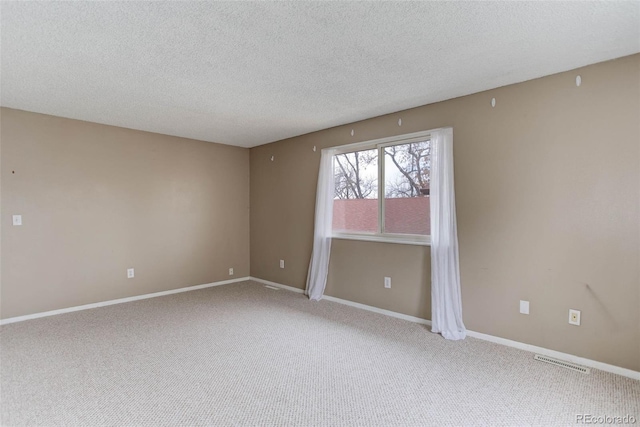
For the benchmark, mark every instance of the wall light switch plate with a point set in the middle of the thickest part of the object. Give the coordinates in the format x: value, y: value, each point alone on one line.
x: 387, y: 282
x: 130, y: 273
x: 281, y: 263
x: 574, y: 317
x: 524, y: 307
x: 231, y: 272
x: 17, y: 220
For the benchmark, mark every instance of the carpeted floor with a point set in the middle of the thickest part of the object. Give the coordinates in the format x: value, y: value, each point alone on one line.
x: 243, y: 354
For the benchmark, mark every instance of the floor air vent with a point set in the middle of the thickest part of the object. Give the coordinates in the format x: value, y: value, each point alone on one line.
x: 272, y: 287
x: 562, y: 363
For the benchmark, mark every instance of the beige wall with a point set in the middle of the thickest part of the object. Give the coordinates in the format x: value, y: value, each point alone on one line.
x: 98, y: 199
x: 548, y: 200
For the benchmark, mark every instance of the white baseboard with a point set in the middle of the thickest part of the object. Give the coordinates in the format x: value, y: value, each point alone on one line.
x: 558, y: 355
x: 277, y: 285
x: 378, y: 310
x: 347, y: 302
x: 503, y: 341
x: 117, y: 301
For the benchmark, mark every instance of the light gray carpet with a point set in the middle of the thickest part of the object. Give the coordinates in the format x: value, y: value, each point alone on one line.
x: 243, y: 354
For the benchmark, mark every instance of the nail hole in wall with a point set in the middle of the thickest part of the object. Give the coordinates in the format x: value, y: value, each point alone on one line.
x: 578, y: 80
x: 493, y: 102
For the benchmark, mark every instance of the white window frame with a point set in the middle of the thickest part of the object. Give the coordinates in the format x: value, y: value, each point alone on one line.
x: 380, y: 145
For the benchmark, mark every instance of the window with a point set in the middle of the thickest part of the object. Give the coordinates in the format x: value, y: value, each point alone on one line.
x: 355, y: 205
x: 382, y: 190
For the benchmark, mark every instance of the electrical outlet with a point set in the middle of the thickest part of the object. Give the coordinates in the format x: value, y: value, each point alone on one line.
x: 130, y: 273
x: 281, y: 263
x: 574, y: 317
x: 524, y: 307
x: 387, y: 282
x: 17, y: 220
x: 231, y: 272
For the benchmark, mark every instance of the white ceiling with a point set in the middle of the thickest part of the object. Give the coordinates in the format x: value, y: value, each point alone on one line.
x: 250, y: 73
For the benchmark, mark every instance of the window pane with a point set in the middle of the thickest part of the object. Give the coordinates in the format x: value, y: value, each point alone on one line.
x: 355, y: 207
x: 406, y: 188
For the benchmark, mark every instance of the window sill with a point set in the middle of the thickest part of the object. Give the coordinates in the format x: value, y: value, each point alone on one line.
x: 402, y: 240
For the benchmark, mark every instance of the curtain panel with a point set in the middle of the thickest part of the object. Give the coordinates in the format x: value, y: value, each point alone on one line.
x: 446, y: 301
x: 319, y: 265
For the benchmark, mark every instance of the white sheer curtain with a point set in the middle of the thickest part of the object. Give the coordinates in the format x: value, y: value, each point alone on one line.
x: 446, y: 302
x: 319, y: 265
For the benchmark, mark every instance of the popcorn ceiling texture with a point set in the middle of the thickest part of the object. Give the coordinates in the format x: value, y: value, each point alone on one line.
x: 250, y: 73
x: 244, y: 355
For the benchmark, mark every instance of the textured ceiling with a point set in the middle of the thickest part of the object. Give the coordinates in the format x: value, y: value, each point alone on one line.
x: 250, y: 73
